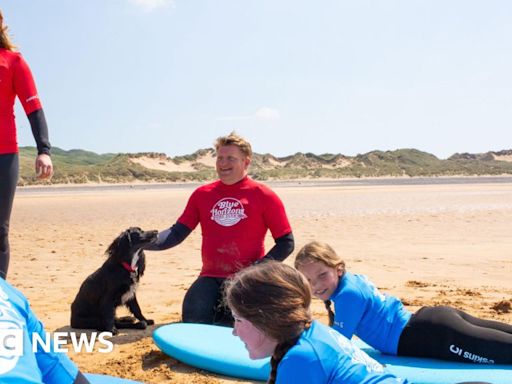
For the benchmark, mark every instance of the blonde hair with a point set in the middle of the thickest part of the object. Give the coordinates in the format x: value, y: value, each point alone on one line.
x: 316, y: 251
x: 5, y: 41
x: 276, y: 299
x: 234, y: 139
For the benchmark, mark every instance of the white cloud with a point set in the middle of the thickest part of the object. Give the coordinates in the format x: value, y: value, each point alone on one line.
x: 263, y: 113
x: 151, y: 5
x: 266, y: 113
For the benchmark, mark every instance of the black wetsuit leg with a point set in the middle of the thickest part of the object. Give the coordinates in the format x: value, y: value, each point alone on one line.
x: 498, y: 325
x: 450, y: 334
x: 9, y: 170
x: 203, y: 303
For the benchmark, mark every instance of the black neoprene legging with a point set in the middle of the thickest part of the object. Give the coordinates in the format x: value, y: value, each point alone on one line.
x: 203, y: 303
x: 9, y: 170
x: 450, y: 334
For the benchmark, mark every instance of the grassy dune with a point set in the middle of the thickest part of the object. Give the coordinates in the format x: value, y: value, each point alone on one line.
x: 78, y: 166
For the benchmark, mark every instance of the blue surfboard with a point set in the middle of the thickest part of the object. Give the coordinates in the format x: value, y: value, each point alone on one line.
x: 212, y: 348
x: 105, y: 379
x: 215, y: 349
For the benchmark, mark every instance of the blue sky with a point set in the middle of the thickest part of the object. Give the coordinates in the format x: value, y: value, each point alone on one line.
x: 311, y: 76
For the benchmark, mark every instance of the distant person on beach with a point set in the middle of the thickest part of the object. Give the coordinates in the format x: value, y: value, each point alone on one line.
x: 235, y: 213
x: 18, y: 362
x: 271, y: 306
x: 383, y: 322
x: 16, y: 80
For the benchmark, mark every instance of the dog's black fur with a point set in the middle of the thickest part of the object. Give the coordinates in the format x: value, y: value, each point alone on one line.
x: 114, y: 284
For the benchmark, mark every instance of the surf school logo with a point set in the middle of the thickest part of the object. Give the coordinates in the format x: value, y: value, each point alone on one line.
x: 470, y: 356
x: 357, y: 355
x: 228, y: 211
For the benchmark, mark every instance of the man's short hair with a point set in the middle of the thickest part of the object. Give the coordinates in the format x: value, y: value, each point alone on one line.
x: 234, y: 139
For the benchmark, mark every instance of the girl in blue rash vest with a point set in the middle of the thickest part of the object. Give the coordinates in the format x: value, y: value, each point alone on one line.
x: 382, y: 321
x: 19, y: 362
x: 271, y: 306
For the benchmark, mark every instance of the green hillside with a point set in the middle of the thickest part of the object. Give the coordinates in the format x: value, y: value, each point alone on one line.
x: 80, y: 166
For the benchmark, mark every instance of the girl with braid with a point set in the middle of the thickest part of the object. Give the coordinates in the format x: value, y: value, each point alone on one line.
x: 383, y: 322
x: 270, y: 303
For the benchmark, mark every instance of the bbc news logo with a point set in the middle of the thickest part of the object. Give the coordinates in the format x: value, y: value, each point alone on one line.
x: 11, y: 342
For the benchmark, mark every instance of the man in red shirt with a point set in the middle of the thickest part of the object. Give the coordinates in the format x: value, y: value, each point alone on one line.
x: 235, y: 213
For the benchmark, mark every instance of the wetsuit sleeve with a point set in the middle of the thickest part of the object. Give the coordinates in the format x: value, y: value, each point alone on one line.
x: 170, y: 237
x: 349, y: 308
x: 25, y: 88
x: 281, y: 250
x: 56, y: 368
x: 40, y: 131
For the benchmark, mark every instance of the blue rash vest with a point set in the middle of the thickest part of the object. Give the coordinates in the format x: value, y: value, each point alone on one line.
x: 18, y: 364
x: 324, y: 356
x: 360, y: 309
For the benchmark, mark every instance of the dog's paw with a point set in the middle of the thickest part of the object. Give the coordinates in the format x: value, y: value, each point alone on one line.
x: 150, y: 322
x: 140, y: 325
x: 114, y: 331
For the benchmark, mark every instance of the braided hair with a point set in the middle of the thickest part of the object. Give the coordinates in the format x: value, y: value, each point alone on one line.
x: 330, y: 312
x: 317, y: 251
x: 261, y: 292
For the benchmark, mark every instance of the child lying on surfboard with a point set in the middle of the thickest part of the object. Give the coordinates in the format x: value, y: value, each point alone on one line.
x: 382, y: 321
x: 270, y: 303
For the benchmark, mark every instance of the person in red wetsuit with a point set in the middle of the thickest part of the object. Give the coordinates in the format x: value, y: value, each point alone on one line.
x: 235, y: 213
x: 16, y: 80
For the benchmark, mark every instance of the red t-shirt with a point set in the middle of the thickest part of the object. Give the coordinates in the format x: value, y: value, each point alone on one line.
x: 234, y: 220
x: 15, y: 80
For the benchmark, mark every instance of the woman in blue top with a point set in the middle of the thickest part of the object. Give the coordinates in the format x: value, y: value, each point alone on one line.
x: 382, y: 321
x: 270, y: 303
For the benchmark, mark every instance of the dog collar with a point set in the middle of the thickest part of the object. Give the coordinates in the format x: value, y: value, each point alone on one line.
x: 128, y: 267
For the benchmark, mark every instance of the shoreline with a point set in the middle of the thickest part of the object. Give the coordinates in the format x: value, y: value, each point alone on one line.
x: 368, y: 181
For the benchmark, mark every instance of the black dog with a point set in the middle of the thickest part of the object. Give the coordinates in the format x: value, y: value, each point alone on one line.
x: 114, y: 284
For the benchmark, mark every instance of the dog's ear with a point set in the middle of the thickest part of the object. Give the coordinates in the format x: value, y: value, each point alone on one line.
x: 129, y: 236
x: 117, y: 244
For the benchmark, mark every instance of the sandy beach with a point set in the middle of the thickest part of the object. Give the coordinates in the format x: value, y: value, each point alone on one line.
x: 427, y: 244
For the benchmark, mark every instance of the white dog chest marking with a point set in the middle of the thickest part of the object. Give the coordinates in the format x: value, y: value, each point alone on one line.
x: 129, y: 294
